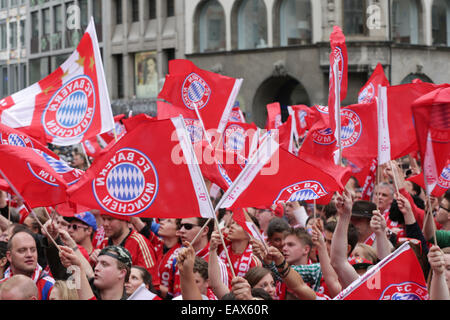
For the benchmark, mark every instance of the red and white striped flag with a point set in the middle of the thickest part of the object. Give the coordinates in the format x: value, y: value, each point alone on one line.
x: 68, y: 106
x: 396, y: 277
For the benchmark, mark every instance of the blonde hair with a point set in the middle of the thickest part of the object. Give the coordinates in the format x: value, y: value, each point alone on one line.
x: 64, y: 292
x: 369, y: 252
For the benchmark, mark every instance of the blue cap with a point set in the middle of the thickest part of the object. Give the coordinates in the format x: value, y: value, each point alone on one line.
x: 88, y: 218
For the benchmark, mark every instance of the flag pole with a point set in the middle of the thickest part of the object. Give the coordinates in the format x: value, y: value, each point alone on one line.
x: 394, y: 176
x: 27, y: 207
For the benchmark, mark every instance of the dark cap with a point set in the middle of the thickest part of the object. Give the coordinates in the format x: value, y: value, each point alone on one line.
x: 119, y: 253
x: 363, y: 209
x: 360, y: 263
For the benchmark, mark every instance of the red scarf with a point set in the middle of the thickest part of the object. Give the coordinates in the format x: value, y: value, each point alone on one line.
x: 241, y: 262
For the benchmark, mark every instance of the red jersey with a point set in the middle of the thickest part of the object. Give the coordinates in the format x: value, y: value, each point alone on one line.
x: 42, y: 279
x: 241, y: 262
x: 142, y: 253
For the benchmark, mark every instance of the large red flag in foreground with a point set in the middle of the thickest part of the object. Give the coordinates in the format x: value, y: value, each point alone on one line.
x: 151, y: 172
x: 69, y: 105
x: 31, y: 175
x: 396, y: 277
x: 432, y: 122
x: 188, y: 87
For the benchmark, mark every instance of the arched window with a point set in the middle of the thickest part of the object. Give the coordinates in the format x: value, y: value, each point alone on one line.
x: 252, y: 24
x: 295, y: 22
x: 405, y: 21
x: 440, y: 21
x: 211, y: 27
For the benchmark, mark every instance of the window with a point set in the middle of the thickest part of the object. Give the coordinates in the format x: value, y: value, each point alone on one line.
x: 405, y: 21
x: 98, y: 19
x: 13, y: 34
x: 3, y: 3
x: 22, y: 33
x: 84, y: 14
x: 3, y: 36
x: 57, y: 19
x: 152, y: 9
x: 252, y: 25
x: 354, y: 17
x: 4, y: 79
x: 211, y: 27
x: 34, y: 32
x: 170, y: 8
x: 120, y: 78
x: 46, y: 30
x: 295, y: 22
x: 118, y: 11
x: 440, y: 20
x: 134, y: 10
x: 23, y: 76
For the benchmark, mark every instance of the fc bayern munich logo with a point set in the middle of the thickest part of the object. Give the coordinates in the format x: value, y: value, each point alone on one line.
x: 304, y: 190
x: 323, y: 137
x: 128, y: 184
x: 404, y: 291
x: 340, y: 59
x: 322, y: 109
x: 367, y: 94
x: 195, y: 92
x: 70, y: 111
x: 350, y: 128
x: 444, y: 178
x: 234, y: 138
x: 195, y: 130
x: 16, y: 140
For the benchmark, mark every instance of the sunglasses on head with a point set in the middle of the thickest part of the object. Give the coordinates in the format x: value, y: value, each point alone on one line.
x: 76, y: 226
x: 188, y: 226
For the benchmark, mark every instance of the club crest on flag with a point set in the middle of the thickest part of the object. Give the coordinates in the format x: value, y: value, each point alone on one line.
x: 195, y: 130
x: 128, y: 184
x: 304, y: 190
x: 302, y: 116
x: 322, y: 109
x: 339, y: 57
x: 16, y: 140
x: 367, y: 94
x: 351, y: 127
x: 69, y: 174
x: 444, y: 178
x: 234, y: 138
x: 405, y: 291
x: 42, y: 175
x: 324, y: 136
x: 195, y: 92
x: 70, y: 111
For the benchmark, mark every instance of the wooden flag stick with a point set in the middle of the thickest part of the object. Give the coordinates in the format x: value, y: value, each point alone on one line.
x: 429, y: 219
x: 394, y: 176
x: 225, y: 247
x: 200, y: 231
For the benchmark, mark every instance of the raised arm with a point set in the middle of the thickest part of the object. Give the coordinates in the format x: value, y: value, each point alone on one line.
x: 293, y: 279
x: 185, y: 264
x: 329, y: 275
x: 378, y: 226
x: 339, y: 243
x: 214, y: 273
x: 438, y: 287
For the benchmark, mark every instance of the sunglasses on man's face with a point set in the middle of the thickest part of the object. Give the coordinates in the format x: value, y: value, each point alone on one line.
x: 76, y: 226
x: 187, y: 226
x: 442, y: 207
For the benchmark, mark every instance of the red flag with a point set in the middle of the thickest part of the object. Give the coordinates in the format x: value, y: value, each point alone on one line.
x: 69, y: 105
x: 189, y: 87
x: 241, y: 217
x: 27, y: 171
x: 396, y: 277
x: 236, y: 114
x: 442, y: 184
x: 92, y: 147
x: 118, y: 131
x: 369, y: 91
x: 295, y: 180
x: 15, y: 137
x: 338, y: 76
x: 432, y: 122
x: 305, y: 117
x: 273, y: 116
x: 150, y: 172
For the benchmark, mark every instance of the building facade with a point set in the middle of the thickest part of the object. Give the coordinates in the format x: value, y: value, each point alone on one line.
x: 279, y: 47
